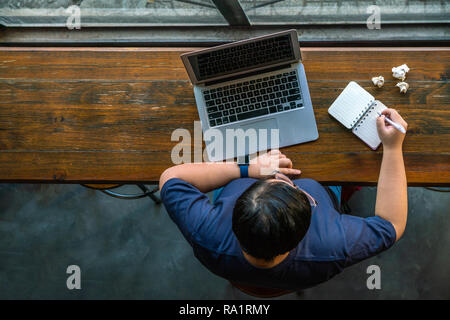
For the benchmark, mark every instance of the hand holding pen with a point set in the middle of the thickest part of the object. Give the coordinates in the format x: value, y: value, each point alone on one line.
x: 391, y: 128
x: 397, y: 126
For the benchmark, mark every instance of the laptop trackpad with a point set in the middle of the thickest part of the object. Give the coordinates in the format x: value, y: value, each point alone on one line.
x: 266, y: 132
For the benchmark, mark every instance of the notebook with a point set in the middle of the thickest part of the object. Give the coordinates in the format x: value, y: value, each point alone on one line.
x: 357, y: 109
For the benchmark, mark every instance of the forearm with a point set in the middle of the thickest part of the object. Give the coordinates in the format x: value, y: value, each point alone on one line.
x: 392, y: 202
x: 204, y: 176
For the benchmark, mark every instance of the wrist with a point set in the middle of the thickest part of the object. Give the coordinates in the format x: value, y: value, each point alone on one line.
x: 392, y: 153
x: 253, y: 171
x: 392, y: 148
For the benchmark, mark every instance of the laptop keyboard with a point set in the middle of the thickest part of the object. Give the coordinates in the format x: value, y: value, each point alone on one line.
x: 253, y: 98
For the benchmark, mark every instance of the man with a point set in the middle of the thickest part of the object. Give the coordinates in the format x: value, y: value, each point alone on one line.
x: 272, y: 232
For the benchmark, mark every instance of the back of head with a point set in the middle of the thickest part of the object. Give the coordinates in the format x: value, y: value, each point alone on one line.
x: 271, y: 218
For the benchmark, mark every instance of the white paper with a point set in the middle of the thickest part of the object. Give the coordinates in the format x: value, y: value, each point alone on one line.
x: 351, y: 104
x: 366, y: 128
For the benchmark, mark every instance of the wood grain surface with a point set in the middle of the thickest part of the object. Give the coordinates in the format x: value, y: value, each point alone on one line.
x: 106, y: 115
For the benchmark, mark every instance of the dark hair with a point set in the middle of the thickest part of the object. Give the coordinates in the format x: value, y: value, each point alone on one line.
x: 271, y: 218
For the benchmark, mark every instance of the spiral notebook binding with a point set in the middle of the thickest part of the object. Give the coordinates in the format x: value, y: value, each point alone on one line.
x: 370, y: 107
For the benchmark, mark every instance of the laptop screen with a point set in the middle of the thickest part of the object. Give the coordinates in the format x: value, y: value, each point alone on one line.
x: 247, y: 56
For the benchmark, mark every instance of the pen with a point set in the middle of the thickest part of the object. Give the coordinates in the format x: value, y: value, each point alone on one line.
x: 397, y: 126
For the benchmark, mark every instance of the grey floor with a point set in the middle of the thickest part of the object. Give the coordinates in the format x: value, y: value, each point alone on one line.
x: 132, y: 250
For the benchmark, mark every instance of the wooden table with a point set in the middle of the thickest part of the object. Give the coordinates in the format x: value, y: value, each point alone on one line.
x: 106, y: 115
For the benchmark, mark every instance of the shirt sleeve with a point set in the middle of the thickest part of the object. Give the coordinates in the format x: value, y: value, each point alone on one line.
x: 187, y: 206
x: 366, y: 237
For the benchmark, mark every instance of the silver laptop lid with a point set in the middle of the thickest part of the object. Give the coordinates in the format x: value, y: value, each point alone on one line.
x: 242, y: 56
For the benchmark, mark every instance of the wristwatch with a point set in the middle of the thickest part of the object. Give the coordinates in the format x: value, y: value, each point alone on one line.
x: 243, y: 163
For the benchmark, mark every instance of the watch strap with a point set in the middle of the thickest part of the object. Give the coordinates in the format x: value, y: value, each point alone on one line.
x: 244, y: 170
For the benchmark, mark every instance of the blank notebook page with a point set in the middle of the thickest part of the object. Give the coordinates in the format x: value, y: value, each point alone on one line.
x: 351, y: 104
x: 366, y: 128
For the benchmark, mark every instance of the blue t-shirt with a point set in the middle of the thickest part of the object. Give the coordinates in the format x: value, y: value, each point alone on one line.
x: 333, y: 241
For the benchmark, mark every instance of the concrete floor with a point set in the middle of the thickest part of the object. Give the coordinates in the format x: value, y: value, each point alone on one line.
x: 132, y: 250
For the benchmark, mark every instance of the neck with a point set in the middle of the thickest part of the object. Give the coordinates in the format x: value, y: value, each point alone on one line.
x: 261, y: 263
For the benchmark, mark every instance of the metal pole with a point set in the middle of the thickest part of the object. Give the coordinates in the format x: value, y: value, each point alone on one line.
x: 232, y: 12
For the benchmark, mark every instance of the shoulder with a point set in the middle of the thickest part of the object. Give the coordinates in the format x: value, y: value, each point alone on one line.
x: 202, y: 222
x: 310, y: 185
x: 172, y: 184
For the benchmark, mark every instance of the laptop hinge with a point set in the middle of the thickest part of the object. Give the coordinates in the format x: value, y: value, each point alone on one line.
x: 248, y: 74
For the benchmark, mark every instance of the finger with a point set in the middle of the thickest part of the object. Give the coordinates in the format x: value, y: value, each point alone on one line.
x: 285, y: 163
x: 290, y: 171
x: 387, y: 112
x: 276, y: 158
x: 274, y: 151
x: 399, y: 119
x: 394, y: 116
x: 391, y: 114
x: 381, y: 121
x: 272, y: 161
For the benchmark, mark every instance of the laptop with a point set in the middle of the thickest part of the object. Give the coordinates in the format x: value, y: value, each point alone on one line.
x: 256, y: 85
